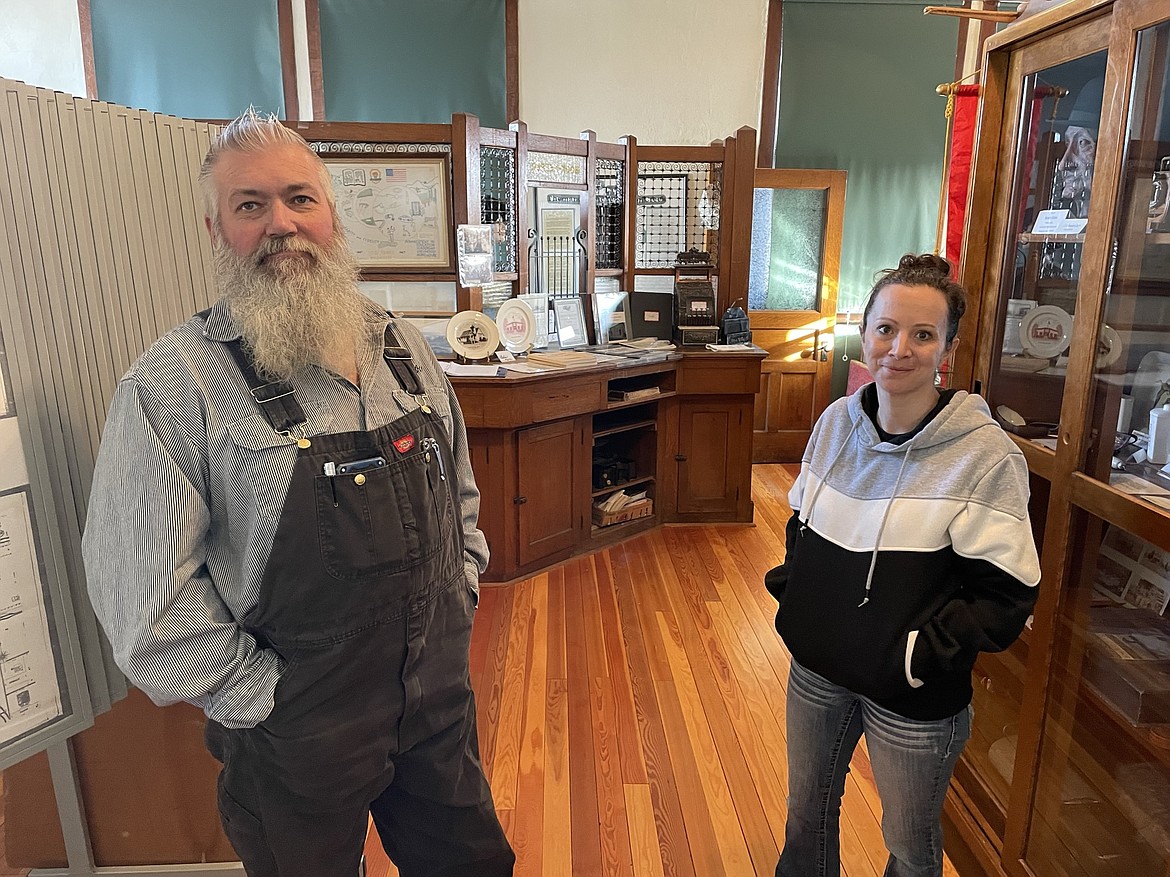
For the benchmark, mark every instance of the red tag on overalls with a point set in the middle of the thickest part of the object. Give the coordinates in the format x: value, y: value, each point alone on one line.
x: 404, y: 444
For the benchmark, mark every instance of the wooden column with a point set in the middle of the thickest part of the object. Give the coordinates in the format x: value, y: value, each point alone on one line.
x: 522, y: 222
x: 631, y: 217
x: 741, y: 218
x: 589, y: 215
x: 465, y: 193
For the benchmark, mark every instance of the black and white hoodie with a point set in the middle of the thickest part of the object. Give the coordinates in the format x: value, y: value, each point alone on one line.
x: 906, y: 557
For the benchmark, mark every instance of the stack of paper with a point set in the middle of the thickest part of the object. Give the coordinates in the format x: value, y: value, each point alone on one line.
x: 562, y: 359
x: 620, y: 500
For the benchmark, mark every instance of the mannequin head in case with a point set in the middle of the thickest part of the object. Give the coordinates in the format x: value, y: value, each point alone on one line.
x: 1075, y: 169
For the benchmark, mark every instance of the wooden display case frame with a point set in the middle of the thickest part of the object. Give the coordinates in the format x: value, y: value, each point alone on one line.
x: 980, y: 838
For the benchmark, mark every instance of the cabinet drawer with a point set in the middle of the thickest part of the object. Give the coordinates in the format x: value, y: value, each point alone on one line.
x: 709, y: 376
x: 552, y: 401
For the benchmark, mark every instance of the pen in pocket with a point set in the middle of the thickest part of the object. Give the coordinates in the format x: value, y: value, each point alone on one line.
x: 331, y: 471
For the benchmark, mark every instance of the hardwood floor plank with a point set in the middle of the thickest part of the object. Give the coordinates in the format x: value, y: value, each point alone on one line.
x: 556, y: 624
x: 490, y: 691
x: 616, y: 855
x: 648, y: 599
x: 631, y: 758
x: 586, y: 846
x: 478, y: 654
x: 664, y: 792
x: 696, y: 812
x: 596, y: 574
x: 557, y: 851
x: 505, y: 765
x: 643, y: 838
x: 528, y: 817
x: 740, y: 822
x: 762, y: 737
x: 721, y: 806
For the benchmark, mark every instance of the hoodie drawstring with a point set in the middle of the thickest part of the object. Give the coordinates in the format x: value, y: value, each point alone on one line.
x: 824, y: 478
x: 882, y: 526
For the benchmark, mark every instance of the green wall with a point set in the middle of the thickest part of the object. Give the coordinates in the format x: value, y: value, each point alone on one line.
x: 412, y: 61
x: 382, y: 60
x: 207, y: 59
x: 857, y: 84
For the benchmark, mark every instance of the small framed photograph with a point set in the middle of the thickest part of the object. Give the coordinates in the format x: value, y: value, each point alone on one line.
x: 570, y: 323
x: 395, y: 209
x: 474, y: 244
x: 609, y: 312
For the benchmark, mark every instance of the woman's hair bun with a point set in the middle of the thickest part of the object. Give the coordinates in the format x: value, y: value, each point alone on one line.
x: 927, y: 263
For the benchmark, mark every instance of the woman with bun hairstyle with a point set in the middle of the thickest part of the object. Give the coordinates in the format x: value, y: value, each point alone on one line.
x: 909, y: 551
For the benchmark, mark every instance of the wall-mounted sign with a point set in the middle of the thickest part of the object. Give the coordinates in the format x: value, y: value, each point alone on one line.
x: 651, y: 199
x: 559, y: 198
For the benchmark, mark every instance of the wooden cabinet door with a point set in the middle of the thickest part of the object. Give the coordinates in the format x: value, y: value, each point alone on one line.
x: 714, y: 449
x: 553, y: 481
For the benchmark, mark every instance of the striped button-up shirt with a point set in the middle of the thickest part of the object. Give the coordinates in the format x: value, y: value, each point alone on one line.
x: 187, y: 491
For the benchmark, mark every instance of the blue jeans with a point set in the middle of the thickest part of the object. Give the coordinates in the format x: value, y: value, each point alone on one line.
x: 912, y: 764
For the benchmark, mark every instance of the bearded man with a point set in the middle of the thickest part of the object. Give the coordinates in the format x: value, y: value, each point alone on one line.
x: 282, y: 531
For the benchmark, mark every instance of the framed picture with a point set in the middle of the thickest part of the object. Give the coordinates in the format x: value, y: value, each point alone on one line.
x: 570, y: 323
x: 609, y: 311
x: 31, y: 695
x: 475, y: 254
x: 395, y: 209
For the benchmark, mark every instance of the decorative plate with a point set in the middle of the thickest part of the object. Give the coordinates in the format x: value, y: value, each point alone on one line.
x: 1108, y: 347
x: 517, y: 325
x: 473, y: 335
x: 1046, y: 331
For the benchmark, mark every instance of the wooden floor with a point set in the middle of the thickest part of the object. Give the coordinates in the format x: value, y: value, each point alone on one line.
x: 631, y: 709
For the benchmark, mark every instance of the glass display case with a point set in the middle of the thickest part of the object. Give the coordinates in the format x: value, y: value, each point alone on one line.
x: 1068, y: 253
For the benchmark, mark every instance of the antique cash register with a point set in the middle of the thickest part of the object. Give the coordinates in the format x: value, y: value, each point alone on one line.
x: 694, y: 295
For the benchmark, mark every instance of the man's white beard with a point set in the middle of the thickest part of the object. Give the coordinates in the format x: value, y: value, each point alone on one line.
x: 294, y: 312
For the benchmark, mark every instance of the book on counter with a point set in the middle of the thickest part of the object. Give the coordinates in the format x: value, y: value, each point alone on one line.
x: 633, y: 395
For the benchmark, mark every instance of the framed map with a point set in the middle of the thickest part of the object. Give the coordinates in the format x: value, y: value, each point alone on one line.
x: 30, y: 687
x: 394, y: 209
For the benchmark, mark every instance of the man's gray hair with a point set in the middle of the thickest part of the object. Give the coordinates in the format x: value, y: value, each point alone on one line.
x: 251, y: 132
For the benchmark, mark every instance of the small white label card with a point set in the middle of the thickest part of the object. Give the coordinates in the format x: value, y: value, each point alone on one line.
x: 1050, y: 222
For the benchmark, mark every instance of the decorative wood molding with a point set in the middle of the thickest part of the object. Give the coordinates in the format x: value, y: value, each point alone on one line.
x: 770, y: 99
x: 512, y: 60
x: 1002, y: 15
x: 316, y: 79
x: 288, y: 60
x: 86, y: 22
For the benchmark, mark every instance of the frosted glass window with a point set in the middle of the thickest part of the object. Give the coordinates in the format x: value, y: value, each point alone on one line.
x: 788, y: 245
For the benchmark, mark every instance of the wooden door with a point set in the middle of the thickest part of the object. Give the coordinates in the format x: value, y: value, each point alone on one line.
x: 552, y: 471
x: 712, y: 457
x: 797, y: 216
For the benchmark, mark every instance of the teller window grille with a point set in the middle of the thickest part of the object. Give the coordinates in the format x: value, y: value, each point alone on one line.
x: 677, y: 209
x: 610, y: 200
x: 497, y: 173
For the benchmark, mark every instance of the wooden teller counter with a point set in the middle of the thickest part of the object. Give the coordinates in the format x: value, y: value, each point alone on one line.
x: 551, y: 450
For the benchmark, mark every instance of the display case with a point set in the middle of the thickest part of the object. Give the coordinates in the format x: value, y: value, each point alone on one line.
x: 1068, y: 250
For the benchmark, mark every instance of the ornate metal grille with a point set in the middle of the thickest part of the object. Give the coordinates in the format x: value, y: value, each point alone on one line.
x: 556, y: 264
x: 677, y: 208
x: 497, y: 182
x: 329, y: 147
x: 611, y: 177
